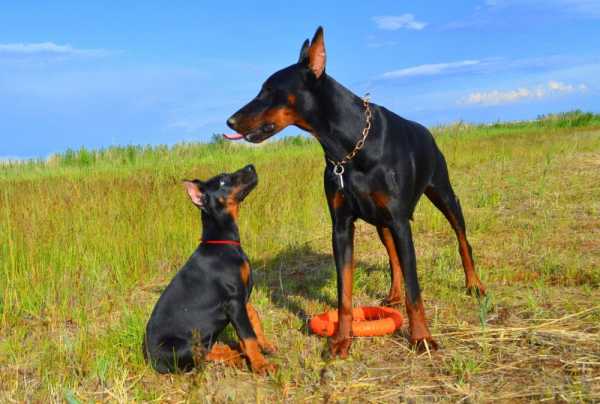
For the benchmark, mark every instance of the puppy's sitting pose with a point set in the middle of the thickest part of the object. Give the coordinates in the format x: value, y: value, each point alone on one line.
x: 211, y: 290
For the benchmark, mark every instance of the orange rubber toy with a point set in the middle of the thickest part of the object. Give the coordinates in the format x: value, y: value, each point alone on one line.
x: 367, y: 322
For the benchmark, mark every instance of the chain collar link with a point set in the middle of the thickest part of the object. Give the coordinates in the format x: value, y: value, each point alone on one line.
x: 338, y: 166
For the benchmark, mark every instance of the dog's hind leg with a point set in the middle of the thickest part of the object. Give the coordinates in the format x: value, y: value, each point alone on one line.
x: 171, y: 354
x: 441, y: 194
x: 420, y: 336
x: 226, y: 354
x: 395, y: 295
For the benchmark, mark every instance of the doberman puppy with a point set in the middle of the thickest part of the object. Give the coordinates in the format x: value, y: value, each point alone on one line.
x: 380, y: 182
x: 211, y: 290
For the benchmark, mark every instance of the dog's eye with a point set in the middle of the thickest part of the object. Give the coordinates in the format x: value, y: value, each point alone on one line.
x: 222, y: 183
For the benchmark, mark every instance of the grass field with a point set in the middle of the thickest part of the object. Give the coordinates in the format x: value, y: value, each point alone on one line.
x: 89, y: 240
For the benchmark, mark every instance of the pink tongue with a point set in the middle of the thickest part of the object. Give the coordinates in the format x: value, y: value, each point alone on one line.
x: 232, y: 136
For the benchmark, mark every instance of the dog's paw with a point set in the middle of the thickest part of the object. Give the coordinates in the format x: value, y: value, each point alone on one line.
x: 268, y: 347
x: 424, y: 344
x: 476, y: 289
x: 339, y: 347
x: 263, y: 368
x: 226, y: 355
x: 392, y: 301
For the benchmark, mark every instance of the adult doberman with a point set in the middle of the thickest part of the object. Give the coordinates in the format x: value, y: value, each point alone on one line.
x: 377, y: 167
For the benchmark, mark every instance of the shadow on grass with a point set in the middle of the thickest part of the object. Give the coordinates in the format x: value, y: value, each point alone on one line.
x: 299, y: 273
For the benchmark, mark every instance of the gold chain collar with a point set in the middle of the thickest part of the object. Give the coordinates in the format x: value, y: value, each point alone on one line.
x: 338, y: 166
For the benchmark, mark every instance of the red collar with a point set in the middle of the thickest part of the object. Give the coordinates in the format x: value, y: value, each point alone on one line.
x: 230, y: 242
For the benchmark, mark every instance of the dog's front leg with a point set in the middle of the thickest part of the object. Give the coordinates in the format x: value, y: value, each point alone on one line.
x: 343, y: 246
x: 238, y: 315
x: 263, y: 342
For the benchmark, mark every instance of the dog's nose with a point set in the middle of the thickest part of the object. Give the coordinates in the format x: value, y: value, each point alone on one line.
x: 250, y: 167
x: 231, y: 122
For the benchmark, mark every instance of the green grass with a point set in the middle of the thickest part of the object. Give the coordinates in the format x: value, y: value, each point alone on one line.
x: 88, y: 239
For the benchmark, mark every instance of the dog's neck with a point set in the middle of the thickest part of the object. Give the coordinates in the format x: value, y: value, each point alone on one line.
x: 338, y: 119
x: 224, y: 228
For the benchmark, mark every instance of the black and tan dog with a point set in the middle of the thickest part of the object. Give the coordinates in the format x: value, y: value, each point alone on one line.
x: 377, y: 167
x: 211, y: 290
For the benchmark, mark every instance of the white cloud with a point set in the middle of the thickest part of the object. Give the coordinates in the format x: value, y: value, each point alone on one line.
x: 396, y: 22
x: 496, y: 97
x: 560, y: 87
x: 499, y: 97
x: 382, y: 44
x: 583, y: 8
x: 28, y: 48
x: 433, y: 69
x: 46, y: 48
x: 492, y: 65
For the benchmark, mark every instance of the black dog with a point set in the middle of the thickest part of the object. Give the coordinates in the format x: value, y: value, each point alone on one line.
x: 377, y: 167
x: 212, y: 288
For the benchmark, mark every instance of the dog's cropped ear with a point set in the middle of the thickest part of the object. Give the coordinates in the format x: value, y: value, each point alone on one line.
x: 303, y: 59
x: 316, y: 53
x: 194, y: 191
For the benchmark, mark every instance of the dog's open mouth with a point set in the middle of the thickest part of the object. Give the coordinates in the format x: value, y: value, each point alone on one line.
x: 255, y: 136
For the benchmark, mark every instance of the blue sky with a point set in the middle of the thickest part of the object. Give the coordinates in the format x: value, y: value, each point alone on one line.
x: 75, y: 73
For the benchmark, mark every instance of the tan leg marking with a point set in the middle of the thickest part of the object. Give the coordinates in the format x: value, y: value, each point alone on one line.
x: 418, y: 325
x: 258, y: 363
x: 224, y: 353
x: 395, y: 295
x: 263, y: 343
